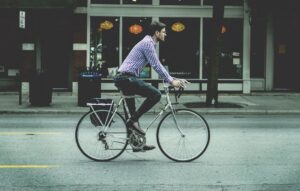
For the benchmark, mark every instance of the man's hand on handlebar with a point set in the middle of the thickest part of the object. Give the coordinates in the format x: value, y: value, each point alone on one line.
x: 179, y: 83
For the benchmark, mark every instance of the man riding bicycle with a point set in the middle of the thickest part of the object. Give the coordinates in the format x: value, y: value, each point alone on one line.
x: 128, y: 82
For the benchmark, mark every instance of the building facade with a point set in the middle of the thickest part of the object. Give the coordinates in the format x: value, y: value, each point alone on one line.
x: 258, y: 54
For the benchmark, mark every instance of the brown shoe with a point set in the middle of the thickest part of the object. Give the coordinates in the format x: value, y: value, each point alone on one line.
x: 135, y: 126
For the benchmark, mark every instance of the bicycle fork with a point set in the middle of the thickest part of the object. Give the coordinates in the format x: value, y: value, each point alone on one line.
x: 169, y: 105
x: 176, y: 123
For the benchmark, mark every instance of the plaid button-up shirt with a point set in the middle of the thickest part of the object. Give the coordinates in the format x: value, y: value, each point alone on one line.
x: 141, y: 54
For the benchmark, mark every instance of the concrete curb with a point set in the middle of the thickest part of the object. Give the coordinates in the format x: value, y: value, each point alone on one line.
x: 151, y: 112
x: 251, y: 105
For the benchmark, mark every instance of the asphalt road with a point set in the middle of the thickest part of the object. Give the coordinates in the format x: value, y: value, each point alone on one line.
x: 38, y: 152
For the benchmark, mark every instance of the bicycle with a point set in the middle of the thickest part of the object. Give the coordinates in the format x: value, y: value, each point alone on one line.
x: 101, y: 134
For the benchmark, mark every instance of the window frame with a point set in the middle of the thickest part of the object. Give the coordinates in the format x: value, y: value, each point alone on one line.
x: 155, y: 11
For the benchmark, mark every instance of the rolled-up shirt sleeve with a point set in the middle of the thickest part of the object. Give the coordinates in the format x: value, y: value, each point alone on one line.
x: 152, y: 58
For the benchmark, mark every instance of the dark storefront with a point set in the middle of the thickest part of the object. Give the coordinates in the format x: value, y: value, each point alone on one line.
x: 52, y: 29
x: 62, y: 37
x: 9, y: 49
x: 287, y: 40
x: 44, y: 43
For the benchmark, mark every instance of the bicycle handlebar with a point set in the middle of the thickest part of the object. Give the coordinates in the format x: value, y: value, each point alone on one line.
x: 177, y: 93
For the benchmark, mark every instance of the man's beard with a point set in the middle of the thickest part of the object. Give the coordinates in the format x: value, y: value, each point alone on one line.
x: 159, y: 40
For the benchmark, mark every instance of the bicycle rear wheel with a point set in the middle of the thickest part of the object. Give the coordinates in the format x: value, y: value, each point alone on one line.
x: 101, y: 136
x: 185, y: 141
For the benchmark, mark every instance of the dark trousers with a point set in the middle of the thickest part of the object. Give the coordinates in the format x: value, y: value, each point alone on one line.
x: 131, y: 85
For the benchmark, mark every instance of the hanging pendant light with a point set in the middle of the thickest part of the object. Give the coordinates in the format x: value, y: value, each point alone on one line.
x: 178, y: 27
x: 223, y: 29
x: 135, y: 29
x: 106, y: 25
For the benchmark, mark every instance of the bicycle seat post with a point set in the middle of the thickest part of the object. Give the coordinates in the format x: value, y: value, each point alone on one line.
x: 125, y: 107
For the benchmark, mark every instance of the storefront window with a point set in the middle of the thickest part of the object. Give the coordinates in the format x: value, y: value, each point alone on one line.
x: 105, y: 1
x: 180, y: 52
x: 134, y: 30
x: 104, y: 47
x: 231, y: 54
x: 9, y: 50
x: 136, y: 2
x: 227, y: 2
x: 258, y: 46
x: 180, y: 2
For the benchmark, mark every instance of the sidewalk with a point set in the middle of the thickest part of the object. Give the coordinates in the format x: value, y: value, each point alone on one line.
x: 256, y: 103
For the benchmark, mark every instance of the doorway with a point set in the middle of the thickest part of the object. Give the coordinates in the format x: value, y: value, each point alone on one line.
x: 55, y: 43
x: 287, y: 60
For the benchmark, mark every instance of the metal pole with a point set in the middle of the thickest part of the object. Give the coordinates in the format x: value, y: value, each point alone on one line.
x: 20, y: 88
x: 21, y: 27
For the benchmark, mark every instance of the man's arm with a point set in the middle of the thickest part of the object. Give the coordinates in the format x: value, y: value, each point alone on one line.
x: 152, y: 58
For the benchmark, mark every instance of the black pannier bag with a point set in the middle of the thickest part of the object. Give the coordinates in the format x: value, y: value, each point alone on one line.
x: 100, y: 104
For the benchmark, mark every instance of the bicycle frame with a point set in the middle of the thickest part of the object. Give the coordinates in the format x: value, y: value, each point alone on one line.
x: 168, y: 105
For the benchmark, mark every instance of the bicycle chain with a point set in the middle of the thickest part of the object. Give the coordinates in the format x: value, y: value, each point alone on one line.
x: 136, y: 140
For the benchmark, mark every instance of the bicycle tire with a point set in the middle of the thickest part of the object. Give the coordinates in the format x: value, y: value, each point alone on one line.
x: 174, y: 145
x: 96, y: 144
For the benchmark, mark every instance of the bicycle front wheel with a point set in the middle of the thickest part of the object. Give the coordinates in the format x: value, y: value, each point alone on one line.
x: 183, y: 137
x: 101, y: 136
